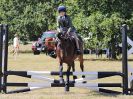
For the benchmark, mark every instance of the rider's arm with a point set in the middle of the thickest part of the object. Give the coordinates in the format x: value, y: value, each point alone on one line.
x: 69, y: 25
x: 58, y: 25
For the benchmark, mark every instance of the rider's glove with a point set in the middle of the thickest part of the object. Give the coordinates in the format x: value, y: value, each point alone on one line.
x: 59, y: 30
x: 68, y: 31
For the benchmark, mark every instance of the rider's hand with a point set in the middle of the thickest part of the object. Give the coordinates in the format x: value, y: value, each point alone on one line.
x: 59, y: 30
x: 68, y: 31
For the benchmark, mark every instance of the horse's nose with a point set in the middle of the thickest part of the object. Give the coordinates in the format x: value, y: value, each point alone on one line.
x: 65, y: 39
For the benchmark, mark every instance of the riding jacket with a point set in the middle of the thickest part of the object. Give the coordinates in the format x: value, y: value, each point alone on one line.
x: 64, y: 23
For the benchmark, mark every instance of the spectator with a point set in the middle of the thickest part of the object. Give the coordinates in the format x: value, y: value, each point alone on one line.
x: 16, y: 45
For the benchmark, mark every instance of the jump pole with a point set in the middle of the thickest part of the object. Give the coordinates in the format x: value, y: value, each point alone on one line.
x: 124, y: 59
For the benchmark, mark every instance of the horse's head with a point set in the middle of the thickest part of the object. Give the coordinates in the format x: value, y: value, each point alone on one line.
x: 64, y: 39
x: 63, y: 36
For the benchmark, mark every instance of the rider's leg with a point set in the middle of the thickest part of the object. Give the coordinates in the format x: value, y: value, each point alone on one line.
x: 77, y: 43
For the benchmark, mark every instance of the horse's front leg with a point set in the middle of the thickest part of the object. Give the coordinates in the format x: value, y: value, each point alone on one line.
x: 61, y: 72
x: 68, y: 77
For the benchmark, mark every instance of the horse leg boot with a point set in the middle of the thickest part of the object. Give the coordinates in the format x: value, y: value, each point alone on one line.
x: 61, y: 73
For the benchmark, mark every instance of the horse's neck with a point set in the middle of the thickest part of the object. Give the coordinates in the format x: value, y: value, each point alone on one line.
x: 69, y: 50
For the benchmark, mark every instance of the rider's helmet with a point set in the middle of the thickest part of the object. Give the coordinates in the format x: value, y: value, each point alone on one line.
x: 61, y: 9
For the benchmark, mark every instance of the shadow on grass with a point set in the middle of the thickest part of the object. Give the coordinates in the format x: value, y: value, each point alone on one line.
x: 23, y: 52
x: 85, y: 59
x: 100, y: 59
x: 101, y: 94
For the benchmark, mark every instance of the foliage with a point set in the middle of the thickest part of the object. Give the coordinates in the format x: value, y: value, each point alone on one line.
x: 100, y: 18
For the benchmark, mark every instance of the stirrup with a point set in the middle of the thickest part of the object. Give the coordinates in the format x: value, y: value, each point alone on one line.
x: 78, y: 52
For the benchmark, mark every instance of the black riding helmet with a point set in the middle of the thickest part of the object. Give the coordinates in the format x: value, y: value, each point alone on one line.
x: 61, y: 9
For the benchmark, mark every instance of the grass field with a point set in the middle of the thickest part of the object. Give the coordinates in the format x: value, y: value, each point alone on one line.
x: 28, y: 61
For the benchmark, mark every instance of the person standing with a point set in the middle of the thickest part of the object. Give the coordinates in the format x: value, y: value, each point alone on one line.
x: 16, y: 45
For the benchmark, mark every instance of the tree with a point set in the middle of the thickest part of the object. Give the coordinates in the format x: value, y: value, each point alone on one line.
x: 101, y: 18
x: 27, y: 17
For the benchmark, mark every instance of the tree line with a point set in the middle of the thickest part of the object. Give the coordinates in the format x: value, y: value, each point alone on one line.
x: 100, y: 20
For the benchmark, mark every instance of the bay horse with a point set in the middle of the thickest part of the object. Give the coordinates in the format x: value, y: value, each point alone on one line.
x: 66, y: 53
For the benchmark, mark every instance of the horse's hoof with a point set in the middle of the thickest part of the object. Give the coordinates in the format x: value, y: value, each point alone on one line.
x: 66, y: 89
x: 74, y: 77
x: 61, y: 80
x: 83, y: 76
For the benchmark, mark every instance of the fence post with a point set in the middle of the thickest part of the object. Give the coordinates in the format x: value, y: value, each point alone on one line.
x: 124, y: 59
x: 5, y: 57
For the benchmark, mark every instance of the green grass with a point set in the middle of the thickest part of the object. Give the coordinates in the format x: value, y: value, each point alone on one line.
x: 42, y: 62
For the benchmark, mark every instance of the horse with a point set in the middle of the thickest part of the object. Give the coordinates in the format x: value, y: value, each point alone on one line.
x: 118, y: 51
x: 66, y: 53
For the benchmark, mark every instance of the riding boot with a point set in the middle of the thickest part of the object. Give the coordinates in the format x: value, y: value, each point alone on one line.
x: 78, y: 52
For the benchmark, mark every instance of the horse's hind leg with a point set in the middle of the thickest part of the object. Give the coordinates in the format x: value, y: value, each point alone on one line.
x: 81, y: 64
x: 61, y: 72
x: 73, y: 69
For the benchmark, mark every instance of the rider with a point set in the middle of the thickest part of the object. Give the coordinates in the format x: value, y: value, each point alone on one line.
x: 64, y: 24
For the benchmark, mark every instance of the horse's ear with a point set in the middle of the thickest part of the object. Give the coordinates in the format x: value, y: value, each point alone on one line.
x: 59, y: 35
